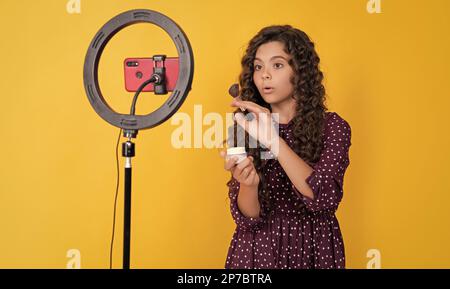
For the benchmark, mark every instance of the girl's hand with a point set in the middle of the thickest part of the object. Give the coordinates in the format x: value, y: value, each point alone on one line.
x: 262, y: 127
x: 244, y: 172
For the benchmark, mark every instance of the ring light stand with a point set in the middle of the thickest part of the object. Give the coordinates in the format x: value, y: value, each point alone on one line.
x: 131, y: 123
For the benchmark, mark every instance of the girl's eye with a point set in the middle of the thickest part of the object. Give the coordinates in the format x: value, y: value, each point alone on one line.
x: 257, y: 67
x: 278, y: 65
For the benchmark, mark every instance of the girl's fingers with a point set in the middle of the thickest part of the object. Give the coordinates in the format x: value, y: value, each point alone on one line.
x: 252, y: 177
x: 251, y: 106
x: 238, y: 172
x: 246, y: 162
x: 230, y: 163
x: 245, y: 173
x: 244, y: 168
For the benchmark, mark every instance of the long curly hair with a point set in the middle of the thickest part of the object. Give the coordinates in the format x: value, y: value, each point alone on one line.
x: 309, y: 95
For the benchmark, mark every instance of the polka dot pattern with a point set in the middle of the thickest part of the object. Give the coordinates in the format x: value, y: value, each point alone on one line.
x: 289, y: 237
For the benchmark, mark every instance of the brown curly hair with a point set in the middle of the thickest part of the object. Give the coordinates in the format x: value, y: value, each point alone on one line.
x: 309, y: 94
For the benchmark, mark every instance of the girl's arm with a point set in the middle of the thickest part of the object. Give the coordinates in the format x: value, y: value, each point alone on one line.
x: 243, y: 193
x: 242, y: 221
x: 321, y: 187
x: 296, y: 169
x: 247, y: 197
x: 248, y: 202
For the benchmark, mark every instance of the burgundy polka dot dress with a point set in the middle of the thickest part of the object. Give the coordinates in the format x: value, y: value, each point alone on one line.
x: 289, y: 237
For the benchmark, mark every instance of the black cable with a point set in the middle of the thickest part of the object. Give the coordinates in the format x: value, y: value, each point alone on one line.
x: 115, y: 200
x: 141, y: 87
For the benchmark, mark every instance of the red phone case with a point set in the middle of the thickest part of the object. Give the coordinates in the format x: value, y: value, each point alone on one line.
x: 142, y: 69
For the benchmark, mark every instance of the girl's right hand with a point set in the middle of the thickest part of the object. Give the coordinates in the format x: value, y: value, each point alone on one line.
x: 244, y: 172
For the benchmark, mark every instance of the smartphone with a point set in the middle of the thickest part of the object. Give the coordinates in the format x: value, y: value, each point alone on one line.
x: 138, y: 70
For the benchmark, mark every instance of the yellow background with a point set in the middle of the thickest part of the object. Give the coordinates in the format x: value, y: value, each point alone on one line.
x: 386, y: 74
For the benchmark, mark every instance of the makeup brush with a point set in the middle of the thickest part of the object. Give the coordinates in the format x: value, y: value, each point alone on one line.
x: 235, y: 92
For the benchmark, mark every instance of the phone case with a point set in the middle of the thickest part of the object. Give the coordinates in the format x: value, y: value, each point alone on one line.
x: 138, y: 70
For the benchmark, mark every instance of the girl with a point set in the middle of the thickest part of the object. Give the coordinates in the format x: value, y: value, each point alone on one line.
x: 284, y: 207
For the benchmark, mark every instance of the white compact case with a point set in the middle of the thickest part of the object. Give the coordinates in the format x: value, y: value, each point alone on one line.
x: 238, y: 152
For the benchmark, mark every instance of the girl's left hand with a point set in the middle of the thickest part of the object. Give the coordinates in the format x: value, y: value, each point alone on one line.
x: 262, y: 126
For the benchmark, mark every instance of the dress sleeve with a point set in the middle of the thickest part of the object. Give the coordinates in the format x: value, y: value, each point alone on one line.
x: 242, y: 222
x: 327, y: 178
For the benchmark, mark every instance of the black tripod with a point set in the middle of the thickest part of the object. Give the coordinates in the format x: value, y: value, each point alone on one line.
x: 127, y: 152
x: 158, y: 78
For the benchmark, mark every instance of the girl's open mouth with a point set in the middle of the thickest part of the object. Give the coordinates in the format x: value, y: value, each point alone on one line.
x: 268, y: 89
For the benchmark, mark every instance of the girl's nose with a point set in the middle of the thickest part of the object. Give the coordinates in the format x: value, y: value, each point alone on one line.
x: 266, y: 75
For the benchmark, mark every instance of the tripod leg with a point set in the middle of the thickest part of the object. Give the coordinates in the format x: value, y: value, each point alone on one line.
x: 128, y: 153
x: 127, y: 219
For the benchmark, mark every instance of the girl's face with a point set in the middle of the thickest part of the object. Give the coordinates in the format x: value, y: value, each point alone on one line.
x: 272, y: 73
